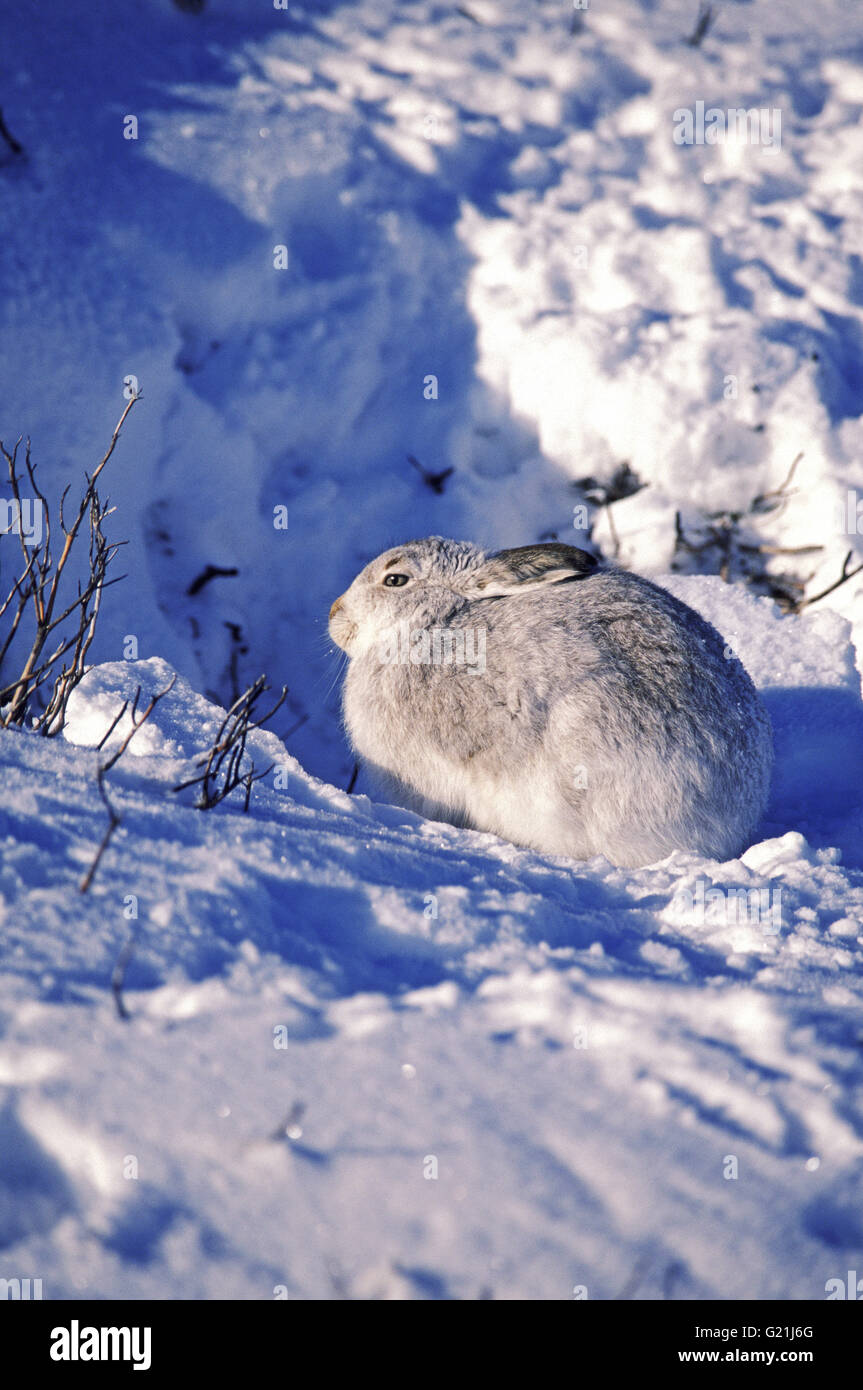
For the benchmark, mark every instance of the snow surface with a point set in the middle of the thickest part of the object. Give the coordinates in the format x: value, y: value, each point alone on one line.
x: 579, y: 1053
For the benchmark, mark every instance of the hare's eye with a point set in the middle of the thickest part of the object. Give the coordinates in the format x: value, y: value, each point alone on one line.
x: 395, y: 581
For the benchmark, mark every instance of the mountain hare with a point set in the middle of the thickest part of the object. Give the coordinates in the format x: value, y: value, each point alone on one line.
x: 561, y: 703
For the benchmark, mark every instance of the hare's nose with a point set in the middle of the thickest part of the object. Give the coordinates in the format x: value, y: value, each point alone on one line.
x: 335, y: 608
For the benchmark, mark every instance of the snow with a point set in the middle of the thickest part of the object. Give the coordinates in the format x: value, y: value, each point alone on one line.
x: 370, y: 1056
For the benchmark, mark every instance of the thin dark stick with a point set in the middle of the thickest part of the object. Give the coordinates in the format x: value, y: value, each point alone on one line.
x: 15, y: 145
x: 293, y: 729
x: 40, y: 584
x: 702, y: 24
x: 222, y: 763
x: 114, y: 722
x: 114, y: 819
x: 118, y: 975
x: 137, y: 720
x: 843, y: 579
x: 113, y: 822
x: 779, y: 491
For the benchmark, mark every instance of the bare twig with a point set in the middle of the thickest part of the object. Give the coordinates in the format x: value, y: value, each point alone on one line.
x: 114, y: 818
x: 208, y: 573
x: 138, y: 720
x: 433, y: 480
x: 115, y: 721
x: 738, y: 558
x: 15, y: 145
x: 113, y: 821
x: 843, y: 579
x: 303, y: 719
x: 222, y: 764
x: 639, y: 1269
x: 702, y: 24
x: 781, y: 549
x: 781, y: 492
x: 41, y: 587
x: 238, y: 649
x: 118, y: 974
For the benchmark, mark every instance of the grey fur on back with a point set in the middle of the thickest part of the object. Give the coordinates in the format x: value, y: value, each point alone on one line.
x: 606, y: 718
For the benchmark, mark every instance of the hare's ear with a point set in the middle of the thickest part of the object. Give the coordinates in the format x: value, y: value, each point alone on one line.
x: 525, y: 568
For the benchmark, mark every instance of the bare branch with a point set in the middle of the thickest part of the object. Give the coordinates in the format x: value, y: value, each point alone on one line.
x: 781, y: 492
x: 702, y: 24
x: 114, y: 817
x: 41, y: 584
x: 738, y: 558
x: 433, y: 480
x: 843, y: 579
x: 113, y: 821
x: 15, y: 145
x: 118, y: 975
x: 137, y: 720
x: 222, y: 763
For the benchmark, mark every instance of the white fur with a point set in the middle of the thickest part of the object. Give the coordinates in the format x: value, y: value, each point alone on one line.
x: 606, y: 719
